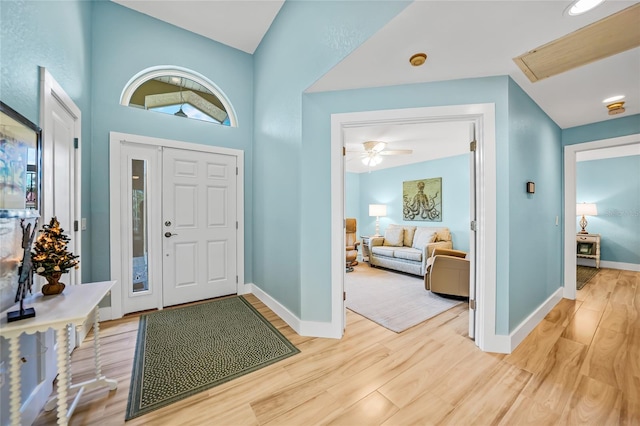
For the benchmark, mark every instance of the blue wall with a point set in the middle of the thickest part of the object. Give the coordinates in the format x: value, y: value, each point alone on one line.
x: 55, y: 35
x: 117, y: 57
x: 614, y: 185
x: 305, y: 41
x: 535, y: 154
x: 613, y: 128
x: 315, y: 167
x: 385, y: 187
x: 352, y: 198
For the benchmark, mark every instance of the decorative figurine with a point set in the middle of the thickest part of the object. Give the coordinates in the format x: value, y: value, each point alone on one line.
x: 25, y: 275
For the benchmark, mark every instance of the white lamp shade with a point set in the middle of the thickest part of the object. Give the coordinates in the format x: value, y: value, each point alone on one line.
x: 587, y: 209
x: 377, y: 210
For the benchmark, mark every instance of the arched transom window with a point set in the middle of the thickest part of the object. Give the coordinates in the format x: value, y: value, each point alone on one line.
x: 179, y: 92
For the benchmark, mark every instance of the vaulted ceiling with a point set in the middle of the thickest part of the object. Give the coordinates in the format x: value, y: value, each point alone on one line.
x: 462, y: 39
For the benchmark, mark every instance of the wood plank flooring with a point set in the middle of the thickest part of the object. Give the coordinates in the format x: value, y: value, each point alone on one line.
x: 581, y: 365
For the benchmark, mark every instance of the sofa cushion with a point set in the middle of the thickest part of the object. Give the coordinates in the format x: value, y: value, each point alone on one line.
x: 408, y: 253
x: 394, y: 236
x: 422, y: 237
x: 382, y: 251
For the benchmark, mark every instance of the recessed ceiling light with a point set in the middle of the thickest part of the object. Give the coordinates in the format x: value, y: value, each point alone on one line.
x: 578, y: 7
x: 613, y: 99
x: 418, y: 59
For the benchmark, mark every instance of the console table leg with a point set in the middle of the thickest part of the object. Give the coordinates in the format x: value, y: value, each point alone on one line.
x: 14, y: 379
x: 63, y: 374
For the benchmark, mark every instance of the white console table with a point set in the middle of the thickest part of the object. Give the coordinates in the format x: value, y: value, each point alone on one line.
x: 73, y: 306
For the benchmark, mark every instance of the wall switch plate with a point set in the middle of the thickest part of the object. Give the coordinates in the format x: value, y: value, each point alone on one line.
x: 2, y: 373
x: 83, y: 225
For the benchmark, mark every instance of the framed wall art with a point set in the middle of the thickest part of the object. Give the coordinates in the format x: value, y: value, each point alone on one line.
x: 422, y: 200
x: 20, y: 152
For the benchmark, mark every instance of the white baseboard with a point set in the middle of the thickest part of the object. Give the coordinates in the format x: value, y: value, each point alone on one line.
x: 303, y: 328
x: 620, y: 265
x: 285, y: 314
x: 525, y: 327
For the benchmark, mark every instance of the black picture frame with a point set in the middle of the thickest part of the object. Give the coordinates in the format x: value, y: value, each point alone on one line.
x: 20, y: 165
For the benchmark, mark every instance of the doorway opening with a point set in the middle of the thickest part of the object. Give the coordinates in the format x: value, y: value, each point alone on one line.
x: 570, y: 153
x: 483, y: 117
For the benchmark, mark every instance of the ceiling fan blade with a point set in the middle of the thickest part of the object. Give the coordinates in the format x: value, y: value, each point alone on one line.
x: 396, y: 152
x: 374, y: 146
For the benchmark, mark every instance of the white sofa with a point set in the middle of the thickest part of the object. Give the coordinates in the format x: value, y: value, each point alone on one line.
x: 406, y: 248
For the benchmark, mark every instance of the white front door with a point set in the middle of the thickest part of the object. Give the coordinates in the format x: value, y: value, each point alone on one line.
x: 198, y: 225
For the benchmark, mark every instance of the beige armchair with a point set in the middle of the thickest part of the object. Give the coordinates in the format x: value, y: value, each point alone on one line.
x: 448, y: 272
x: 351, y: 244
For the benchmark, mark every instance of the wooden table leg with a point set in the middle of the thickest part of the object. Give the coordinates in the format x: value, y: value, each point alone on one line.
x: 14, y: 379
x: 63, y: 374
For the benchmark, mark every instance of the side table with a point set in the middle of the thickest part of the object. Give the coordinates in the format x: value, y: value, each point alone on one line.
x: 73, y: 306
x: 365, y: 247
x: 588, y: 246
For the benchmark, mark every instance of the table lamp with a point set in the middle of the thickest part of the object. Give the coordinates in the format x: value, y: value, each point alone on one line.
x: 377, y: 210
x: 585, y: 209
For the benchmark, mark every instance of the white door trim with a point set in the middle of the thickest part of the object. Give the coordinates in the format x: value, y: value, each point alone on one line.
x: 570, y: 229
x: 484, y: 117
x: 53, y: 92
x: 115, y: 140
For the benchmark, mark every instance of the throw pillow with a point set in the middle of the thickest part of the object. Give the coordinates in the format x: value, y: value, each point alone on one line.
x: 422, y: 237
x: 443, y: 235
x: 408, y: 233
x: 394, y: 236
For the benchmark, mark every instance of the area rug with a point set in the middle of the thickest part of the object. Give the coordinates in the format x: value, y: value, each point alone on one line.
x: 583, y: 275
x: 395, y: 301
x: 183, y: 351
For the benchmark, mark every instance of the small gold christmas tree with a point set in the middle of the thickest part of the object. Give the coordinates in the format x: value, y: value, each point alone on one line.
x: 50, y: 255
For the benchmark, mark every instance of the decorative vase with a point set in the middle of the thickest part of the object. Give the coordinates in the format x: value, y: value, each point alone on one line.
x: 53, y: 285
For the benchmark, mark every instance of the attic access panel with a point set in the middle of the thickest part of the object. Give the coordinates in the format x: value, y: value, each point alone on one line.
x: 609, y: 36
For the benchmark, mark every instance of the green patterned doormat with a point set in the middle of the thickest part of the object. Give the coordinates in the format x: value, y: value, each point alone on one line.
x: 583, y: 275
x: 183, y: 351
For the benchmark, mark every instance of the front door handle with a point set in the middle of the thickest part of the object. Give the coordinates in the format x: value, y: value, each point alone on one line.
x: 169, y: 234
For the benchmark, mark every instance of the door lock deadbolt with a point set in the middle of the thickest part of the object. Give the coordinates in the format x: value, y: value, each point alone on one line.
x: 167, y: 223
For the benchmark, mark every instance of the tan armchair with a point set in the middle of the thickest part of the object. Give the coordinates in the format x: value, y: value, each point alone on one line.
x: 351, y: 244
x: 448, y: 272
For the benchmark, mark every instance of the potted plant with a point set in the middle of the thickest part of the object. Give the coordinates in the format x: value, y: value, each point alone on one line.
x: 51, y: 258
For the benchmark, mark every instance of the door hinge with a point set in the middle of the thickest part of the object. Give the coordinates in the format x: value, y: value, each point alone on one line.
x: 472, y: 146
x: 344, y: 151
x: 236, y: 224
x: 76, y: 143
x: 236, y: 279
x: 474, y: 225
x: 344, y: 295
x: 75, y: 225
x: 472, y: 304
x: 236, y: 171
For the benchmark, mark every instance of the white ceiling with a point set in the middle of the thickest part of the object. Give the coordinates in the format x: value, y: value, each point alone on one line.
x: 463, y: 39
x: 240, y: 23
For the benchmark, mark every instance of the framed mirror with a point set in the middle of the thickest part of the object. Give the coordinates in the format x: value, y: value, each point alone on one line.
x: 20, y: 164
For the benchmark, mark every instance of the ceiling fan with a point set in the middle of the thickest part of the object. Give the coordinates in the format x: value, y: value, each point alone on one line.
x: 374, y: 150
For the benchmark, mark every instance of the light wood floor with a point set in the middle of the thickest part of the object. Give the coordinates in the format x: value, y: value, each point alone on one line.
x: 581, y: 365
